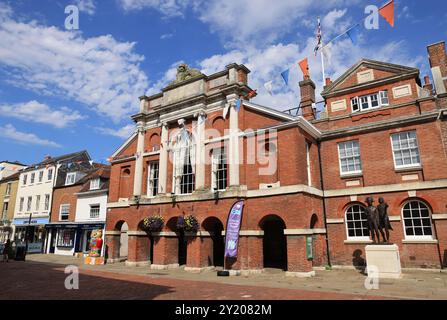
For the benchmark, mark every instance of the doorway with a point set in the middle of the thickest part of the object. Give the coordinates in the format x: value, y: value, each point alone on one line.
x: 215, y: 227
x: 182, y: 248
x: 123, y: 241
x: 274, y: 243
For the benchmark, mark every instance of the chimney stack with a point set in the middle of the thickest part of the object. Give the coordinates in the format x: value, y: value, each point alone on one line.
x: 427, y: 85
x: 328, y: 81
x: 438, y: 63
x: 47, y: 157
x: 307, y: 90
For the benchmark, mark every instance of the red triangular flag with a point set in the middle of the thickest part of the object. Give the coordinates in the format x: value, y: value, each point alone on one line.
x: 387, y: 12
x: 304, y: 65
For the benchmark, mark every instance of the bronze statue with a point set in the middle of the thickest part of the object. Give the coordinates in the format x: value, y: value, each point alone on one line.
x: 384, y: 220
x: 372, y: 215
x: 185, y: 73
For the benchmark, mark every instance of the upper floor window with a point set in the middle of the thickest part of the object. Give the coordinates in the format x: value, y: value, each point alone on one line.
x: 40, y: 176
x: 349, y: 154
x: 94, y: 184
x: 8, y: 189
x: 5, y: 210
x: 37, y: 202
x: 152, y: 179
x: 94, y: 211
x: 219, y: 169
x: 370, y: 101
x: 25, y: 178
x: 50, y: 173
x: 22, y: 201
x: 417, y: 221
x: 64, y: 212
x: 357, y: 223
x: 33, y: 176
x: 184, y: 164
x: 28, y: 204
x: 405, y: 149
x: 47, y: 202
x: 70, y: 179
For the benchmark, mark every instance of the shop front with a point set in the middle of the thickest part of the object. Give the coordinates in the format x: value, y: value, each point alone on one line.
x: 32, y: 230
x: 70, y: 238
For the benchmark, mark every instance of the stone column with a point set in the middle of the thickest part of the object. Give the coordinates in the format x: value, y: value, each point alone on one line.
x: 138, y: 176
x: 233, y: 151
x: 200, y: 151
x: 163, y: 165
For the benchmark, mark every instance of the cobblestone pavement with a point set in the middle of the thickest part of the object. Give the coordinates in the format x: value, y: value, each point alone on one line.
x: 43, y: 277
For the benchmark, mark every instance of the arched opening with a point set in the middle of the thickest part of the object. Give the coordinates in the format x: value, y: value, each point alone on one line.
x: 314, y: 221
x: 154, y: 142
x: 125, y: 185
x: 274, y: 242
x: 124, y: 239
x: 215, y: 227
x: 181, y: 240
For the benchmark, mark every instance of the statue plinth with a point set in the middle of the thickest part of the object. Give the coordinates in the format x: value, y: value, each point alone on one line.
x: 383, y: 261
x: 94, y: 260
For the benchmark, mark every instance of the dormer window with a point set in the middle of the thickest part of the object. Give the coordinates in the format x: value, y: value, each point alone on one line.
x: 71, y: 178
x: 94, y: 184
x: 370, y: 101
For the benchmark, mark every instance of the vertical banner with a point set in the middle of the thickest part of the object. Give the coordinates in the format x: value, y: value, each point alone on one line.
x: 232, y: 230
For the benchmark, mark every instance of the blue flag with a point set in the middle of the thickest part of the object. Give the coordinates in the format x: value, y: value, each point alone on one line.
x: 238, y: 105
x: 285, y: 76
x: 353, y: 34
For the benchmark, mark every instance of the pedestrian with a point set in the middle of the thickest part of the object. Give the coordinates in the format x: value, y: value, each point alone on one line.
x: 6, y: 249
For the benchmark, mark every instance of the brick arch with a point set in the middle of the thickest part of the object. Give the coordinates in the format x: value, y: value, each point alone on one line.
x: 119, y: 224
x: 314, y: 221
x: 154, y: 142
x: 211, y: 223
x: 270, y: 217
x: 345, y: 207
x: 171, y: 224
x: 423, y: 199
x: 218, y: 123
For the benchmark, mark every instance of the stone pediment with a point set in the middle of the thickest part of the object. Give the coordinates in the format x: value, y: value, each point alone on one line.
x: 367, y: 72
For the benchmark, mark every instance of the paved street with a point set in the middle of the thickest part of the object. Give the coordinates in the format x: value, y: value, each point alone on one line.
x: 42, y: 277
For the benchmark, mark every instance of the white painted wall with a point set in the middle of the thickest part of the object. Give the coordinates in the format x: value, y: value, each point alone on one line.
x: 9, y: 169
x: 83, y: 207
x: 32, y: 190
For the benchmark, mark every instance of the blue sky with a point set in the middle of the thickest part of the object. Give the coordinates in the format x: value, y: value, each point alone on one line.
x: 63, y: 91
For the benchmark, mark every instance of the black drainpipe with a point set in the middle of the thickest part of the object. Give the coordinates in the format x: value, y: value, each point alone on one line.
x: 324, y: 203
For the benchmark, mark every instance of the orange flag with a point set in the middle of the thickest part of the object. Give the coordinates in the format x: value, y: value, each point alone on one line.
x: 387, y: 12
x: 304, y: 65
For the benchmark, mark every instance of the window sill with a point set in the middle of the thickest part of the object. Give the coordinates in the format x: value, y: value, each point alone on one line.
x: 357, y: 241
x: 408, y: 169
x: 420, y: 241
x: 351, y: 175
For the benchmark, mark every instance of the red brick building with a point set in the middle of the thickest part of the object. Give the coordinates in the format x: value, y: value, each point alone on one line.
x: 304, y: 180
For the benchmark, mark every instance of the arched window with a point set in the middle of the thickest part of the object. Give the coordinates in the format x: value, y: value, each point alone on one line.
x: 417, y: 220
x: 356, y: 223
x: 184, y: 163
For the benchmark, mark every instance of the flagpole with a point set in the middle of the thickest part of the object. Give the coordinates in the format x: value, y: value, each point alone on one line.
x: 322, y: 57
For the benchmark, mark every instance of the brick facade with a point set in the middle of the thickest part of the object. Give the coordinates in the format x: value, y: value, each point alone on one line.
x: 296, y: 200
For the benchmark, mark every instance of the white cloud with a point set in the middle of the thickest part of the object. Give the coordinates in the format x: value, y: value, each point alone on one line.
x: 170, y: 8
x: 87, y: 6
x: 10, y: 132
x: 34, y: 111
x: 123, y: 133
x: 100, y: 72
x: 239, y: 21
x: 166, y: 36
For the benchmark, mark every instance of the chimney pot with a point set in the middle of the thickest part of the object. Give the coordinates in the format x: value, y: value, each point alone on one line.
x: 427, y: 80
x: 328, y: 81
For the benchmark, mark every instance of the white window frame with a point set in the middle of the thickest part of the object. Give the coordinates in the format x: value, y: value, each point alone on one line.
x: 29, y: 203
x: 381, y: 97
x: 95, y: 183
x: 50, y: 174
x: 25, y: 178
x: 216, y: 158
x: 8, y: 189
x: 94, y: 206
x: 404, y: 166
x: 33, y: 177
x: 21, y: 204
x: 47, y: 202
x: 70, y: 178
x: 415, y: 237
x: 349, y: 173
x: 41, y: 176
x: 67, y: 207
x: 153, y: 178
x: 355, y: 238
x: 37, y: 202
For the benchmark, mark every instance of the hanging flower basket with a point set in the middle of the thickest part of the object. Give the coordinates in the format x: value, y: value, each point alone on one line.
x: 153, y: 223
x: 191, y: 224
